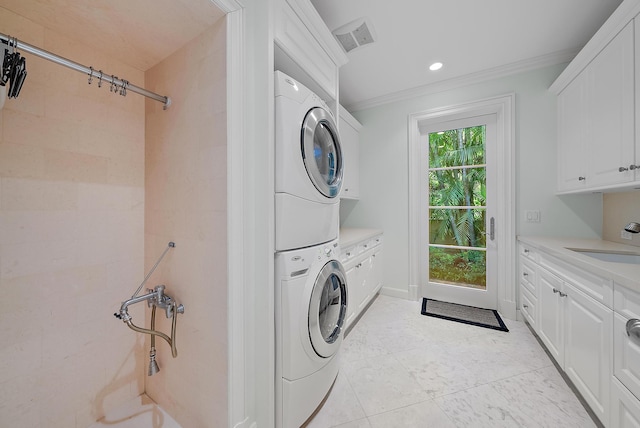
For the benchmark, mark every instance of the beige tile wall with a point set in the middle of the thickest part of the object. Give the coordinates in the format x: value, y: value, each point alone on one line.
x: 186, y: 203
x: 72, y: 238
x: 618, y: 210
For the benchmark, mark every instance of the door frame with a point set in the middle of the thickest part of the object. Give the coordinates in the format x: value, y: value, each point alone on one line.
x: 504, y: 108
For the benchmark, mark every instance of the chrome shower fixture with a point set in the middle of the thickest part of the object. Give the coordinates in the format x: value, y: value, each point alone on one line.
x: 632, y: 227
x: 155, y: 298
x: 153, y: 364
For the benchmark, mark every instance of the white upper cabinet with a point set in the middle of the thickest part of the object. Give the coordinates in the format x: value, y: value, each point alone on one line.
x: 598, y: 110
x: 305, y: 48
x: 596, y: 141
x: 349, y: 129
x: 610, y: 116
x: 572, y: 151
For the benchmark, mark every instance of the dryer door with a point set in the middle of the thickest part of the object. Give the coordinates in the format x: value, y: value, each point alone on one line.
x: 321, y: 152
x: 328, y: 309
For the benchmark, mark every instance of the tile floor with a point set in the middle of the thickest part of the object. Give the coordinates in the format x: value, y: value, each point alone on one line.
x: 403, y: 369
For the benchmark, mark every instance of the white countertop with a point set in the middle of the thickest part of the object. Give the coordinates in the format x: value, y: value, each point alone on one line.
x: 351, y: 236
x: 626, y: 274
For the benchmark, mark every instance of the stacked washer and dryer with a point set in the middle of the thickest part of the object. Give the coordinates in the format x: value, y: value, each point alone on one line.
x: 310, y: 283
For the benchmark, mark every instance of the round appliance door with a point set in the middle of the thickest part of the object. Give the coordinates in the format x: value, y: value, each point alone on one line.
x: 328, y: 309
x: 321, y: 152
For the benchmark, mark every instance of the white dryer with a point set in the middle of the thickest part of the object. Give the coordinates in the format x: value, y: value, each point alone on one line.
x: 311, y: 308
x: 309, y: 167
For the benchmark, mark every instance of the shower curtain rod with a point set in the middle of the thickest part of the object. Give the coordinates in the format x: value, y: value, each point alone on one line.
x: 116, y: 83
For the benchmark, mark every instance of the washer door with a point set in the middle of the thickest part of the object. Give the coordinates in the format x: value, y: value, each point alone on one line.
x: 328, y: 309
x: 321, y: 152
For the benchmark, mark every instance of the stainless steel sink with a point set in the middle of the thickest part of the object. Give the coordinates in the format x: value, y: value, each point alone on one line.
x: 610, y: 256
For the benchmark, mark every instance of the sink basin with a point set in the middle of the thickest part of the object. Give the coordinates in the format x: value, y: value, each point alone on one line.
x: 610, y: 256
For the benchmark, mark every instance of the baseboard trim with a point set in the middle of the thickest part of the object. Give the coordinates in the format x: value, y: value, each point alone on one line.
x: 395, y: 292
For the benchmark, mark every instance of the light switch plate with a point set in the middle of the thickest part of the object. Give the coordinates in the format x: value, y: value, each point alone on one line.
x: 532, y: 216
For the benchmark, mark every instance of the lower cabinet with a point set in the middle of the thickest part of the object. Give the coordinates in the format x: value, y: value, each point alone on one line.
x: 588, y: 347
x: 625, y: 385
x: 550, y: 320
x: 576, y: 330
x: 363, y: 265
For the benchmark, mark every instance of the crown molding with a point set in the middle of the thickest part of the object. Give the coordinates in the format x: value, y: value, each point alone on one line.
x: 468, y: 79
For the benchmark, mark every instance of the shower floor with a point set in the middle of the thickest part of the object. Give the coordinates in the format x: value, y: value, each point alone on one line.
x: 140, y: 412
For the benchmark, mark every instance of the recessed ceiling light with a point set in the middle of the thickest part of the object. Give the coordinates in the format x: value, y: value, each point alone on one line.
x: 435, y: 66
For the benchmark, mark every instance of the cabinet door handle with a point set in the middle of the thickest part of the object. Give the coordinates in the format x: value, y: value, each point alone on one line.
x: 555, y: 290
x: 525, y: 274
x: 623, y: 169
x: 526, y: 251
x: 562, y: 294
x: 633, y: 330
x: 634, y: 167
x: 582, y: 178
x: 525, y: 306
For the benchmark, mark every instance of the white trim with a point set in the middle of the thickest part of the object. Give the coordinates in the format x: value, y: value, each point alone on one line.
x: 236, y: 329
x: 395, y: 292
x: 503, y: 107
x: 227, y: 6
x: 468, y: 79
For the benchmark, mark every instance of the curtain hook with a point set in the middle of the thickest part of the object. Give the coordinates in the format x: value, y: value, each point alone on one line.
x: 113, y: 87
x: 90, y: 74
x: 100, y: 80
x: 123, y: 89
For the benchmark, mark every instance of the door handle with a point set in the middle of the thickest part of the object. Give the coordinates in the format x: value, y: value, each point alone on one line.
x: 492, y: 229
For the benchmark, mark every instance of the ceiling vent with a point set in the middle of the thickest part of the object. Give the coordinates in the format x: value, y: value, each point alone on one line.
x: 355, y: 34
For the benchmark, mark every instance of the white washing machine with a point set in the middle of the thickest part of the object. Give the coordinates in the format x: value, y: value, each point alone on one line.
x: 311, y: 309
x: 309, y: 167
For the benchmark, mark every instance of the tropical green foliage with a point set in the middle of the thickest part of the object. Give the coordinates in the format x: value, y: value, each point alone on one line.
x: 457, y: 178
x: 462, y: 267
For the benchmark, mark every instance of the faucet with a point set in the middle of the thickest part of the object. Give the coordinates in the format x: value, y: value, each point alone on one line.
x: 632, y: 227
x: 155, y: 298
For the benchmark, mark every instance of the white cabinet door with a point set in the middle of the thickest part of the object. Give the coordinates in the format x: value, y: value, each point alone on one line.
x: 350, y: 139
x: 587, y: 354
x: 572, y: 151
x: 300, y: 45
x: 364, y: 278
x: 376, y: 270
x: 626, y: 351
x: 610, y: 121
x: 596, y: 121
x: 550, y: 314
x: 352, y: 294
x: 625, y: 407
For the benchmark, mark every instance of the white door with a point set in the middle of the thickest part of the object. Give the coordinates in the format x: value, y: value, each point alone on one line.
x: 459, y: 217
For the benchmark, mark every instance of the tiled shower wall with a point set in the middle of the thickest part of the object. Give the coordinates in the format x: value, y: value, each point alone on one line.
x: 186, y: 202
x: 71, y: 238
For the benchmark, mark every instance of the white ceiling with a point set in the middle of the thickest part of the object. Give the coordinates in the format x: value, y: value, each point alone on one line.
x: 141, y: 33
x: 468, y: 36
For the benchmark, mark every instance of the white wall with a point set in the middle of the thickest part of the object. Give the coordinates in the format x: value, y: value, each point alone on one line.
x: 384, y: 168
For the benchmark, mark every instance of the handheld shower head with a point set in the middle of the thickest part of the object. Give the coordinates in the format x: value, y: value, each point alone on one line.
x: 633, y: 227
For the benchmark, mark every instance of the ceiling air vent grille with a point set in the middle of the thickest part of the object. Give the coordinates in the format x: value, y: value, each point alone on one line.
x: 355, y: 34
